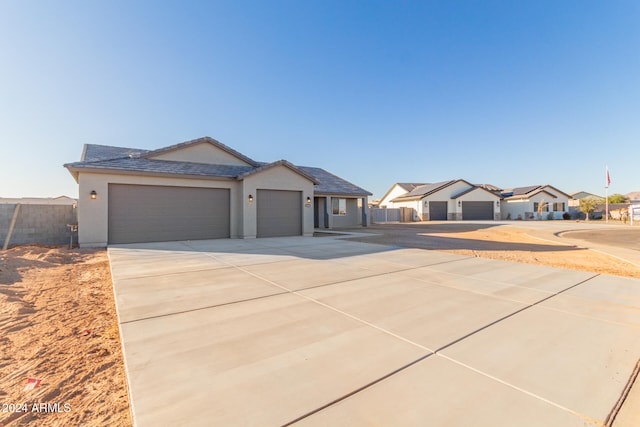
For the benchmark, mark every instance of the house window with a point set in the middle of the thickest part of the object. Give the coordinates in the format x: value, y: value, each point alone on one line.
x: 545, y: 206
x: 558, y: 207
x: 339, y: 206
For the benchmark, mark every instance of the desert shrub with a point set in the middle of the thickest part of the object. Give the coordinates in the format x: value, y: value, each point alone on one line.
x: 566, y: 216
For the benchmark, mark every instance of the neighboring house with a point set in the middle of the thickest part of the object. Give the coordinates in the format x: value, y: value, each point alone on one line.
x: 398, y: 189
x: 574, y: 201
x: 202, y: 189
x: 526, y: 202
x: 450, y: 200
x: 634, y: 197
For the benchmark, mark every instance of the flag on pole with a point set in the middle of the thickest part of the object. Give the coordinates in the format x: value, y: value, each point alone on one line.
x: 608, y: 177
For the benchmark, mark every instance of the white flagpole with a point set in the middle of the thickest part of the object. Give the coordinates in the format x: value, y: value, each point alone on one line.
x: 606, y: 195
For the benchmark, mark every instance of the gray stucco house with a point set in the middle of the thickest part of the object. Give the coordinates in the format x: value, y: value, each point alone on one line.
x: 203, y: 189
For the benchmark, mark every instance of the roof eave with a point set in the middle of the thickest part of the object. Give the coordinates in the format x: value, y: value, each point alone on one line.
x: 82, y: 169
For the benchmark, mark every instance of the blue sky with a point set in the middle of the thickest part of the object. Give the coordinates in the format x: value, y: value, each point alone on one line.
x: 511, y: 93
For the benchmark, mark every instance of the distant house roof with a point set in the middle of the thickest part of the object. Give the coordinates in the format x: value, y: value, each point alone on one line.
x: 406, y: 186
x: 103, y: 158
x: 489, y: 187
x: 474, y: 188
x: 635, y: 195
x: 523, y: 193
x: 425, y: 190
x: 582, y: 194
x: 410, y: 185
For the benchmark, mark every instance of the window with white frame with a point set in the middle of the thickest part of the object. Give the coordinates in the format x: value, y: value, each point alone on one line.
x: 339, y: 206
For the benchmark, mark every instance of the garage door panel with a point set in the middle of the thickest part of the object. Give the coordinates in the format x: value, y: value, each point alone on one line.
x: 438, y: 211
x: 145, y: 213
x: 477, y: 210
x: 279, y: 213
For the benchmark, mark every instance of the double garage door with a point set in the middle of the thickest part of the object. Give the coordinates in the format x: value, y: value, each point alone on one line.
x: 477, y: 210
x: 151, y: 213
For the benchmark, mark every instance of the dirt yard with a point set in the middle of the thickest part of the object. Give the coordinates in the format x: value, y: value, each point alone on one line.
x: 498, y: 242
x: 58, y: 321
x: 58, y: 324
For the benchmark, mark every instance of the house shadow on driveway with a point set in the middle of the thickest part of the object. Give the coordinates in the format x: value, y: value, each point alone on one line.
x: 425, y: 236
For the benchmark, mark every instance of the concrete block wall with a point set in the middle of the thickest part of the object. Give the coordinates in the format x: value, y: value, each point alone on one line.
x: 45, y: 224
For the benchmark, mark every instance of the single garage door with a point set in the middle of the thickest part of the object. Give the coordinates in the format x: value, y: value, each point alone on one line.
x: 477, y: 210
x: 438, y: 211
x: 279, y: 213
x: 150, y: 213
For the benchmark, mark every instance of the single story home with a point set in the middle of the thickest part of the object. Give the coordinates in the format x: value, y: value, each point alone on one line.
x: 398, y: 189
x: 203, y: 189
x: 449, y: 200
x: 534, y: 202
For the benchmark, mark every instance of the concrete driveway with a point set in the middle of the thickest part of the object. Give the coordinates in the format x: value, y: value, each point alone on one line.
x: 322, y: 331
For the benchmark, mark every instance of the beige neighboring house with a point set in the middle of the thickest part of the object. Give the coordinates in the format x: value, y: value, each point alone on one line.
x: 449, y: 200
x: 203, y: 189
x: 526, y: 202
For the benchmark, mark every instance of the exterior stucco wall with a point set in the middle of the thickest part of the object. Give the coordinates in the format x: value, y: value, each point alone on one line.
x: 523, y: 208
x: 396, y: 191
x: 276, y: 178
x: 445, y: 195
x: 416, y: 205
x: 352, y: 217
x: 93, y: 213
x: 201, y: 153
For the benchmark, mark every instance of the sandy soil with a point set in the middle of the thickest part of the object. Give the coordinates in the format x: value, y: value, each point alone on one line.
x: 58, y: 323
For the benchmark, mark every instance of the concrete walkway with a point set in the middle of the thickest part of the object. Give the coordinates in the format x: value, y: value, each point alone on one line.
x: 322, y: 331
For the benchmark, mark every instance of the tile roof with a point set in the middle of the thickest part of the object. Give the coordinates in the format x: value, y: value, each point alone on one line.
x: 123, y: 159
x: 474, y: 188
x: 423, y: 190
x: 163, y: 166
x: 526, y: 192
x: 408, y: 186
x: 95, y: 152
x: 329, y: 183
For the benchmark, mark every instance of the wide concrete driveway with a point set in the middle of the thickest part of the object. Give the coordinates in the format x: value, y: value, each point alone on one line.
x: 327, y: 332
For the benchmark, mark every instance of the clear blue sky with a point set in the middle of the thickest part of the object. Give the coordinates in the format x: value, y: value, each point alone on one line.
x: 511, y: 93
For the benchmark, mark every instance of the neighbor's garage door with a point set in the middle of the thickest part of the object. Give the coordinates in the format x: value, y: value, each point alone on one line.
x: 279, y: 213
x: 438, y: 211
x: 477, y: 210
x: 149, y: 213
